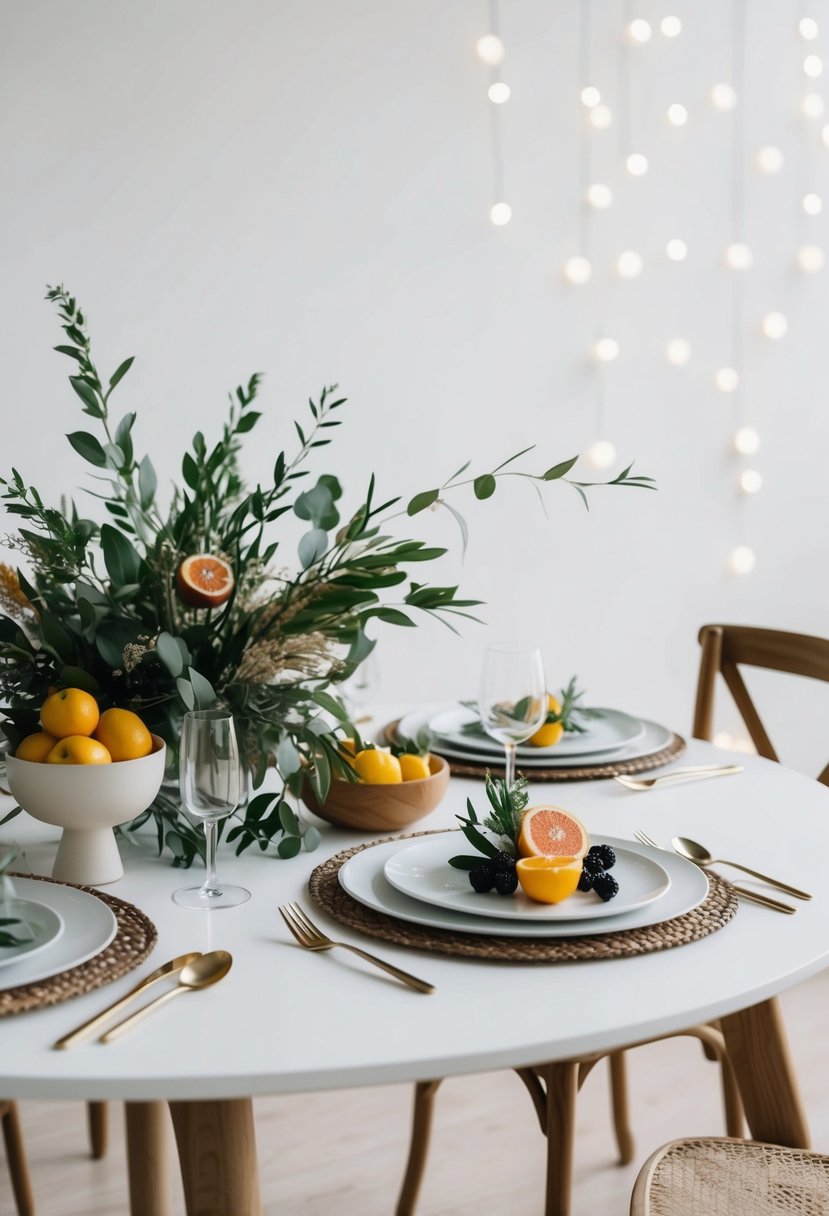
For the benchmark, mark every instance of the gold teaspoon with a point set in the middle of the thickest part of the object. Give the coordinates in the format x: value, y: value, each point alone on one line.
x: 203, y: 971
x: 700, y: 855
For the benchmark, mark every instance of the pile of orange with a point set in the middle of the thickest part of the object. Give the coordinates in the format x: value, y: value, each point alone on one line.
x: 74, y: 731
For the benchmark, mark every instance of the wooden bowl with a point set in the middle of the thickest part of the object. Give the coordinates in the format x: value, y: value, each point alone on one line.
x: 380, y: 808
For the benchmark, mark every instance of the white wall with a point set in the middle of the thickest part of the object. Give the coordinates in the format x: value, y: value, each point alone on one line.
x: 303, y: 188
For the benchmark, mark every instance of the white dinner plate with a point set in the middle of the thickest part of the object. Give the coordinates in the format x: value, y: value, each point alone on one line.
x: 422, y: 871
x: 45, y: 926
x: 89, y: 927
x: 363, y: 879
x: 612, y: 731
x: 654, y: 738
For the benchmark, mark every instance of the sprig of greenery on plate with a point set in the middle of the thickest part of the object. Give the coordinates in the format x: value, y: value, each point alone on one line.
x: 503, y: 821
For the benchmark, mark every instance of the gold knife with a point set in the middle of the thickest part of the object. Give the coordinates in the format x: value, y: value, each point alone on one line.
x: 87, y: 1028
x: 756, y: 897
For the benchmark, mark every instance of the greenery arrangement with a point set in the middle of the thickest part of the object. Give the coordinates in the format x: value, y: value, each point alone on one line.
x: 97, y: 606
x: 503, y: 821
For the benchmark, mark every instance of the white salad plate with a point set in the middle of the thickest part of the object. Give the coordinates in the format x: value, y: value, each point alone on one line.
x: 422, y: 871
x: 613, y: 730
x: 363, y: 878
x: 653, y: 739
x: 41, y: 927
x: 89, y: 927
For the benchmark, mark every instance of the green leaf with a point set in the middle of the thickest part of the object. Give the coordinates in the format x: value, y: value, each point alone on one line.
x: 87, y: 395
x: 190, y: 471
x: 75, y: 677
x: 392, y: 616
x: 289, y: 846
x: 484, y: 486
x: 147, y: 482
x: 247, y: 422
x: 111, y: 638
x: 311, y: 838
x: 464, y: 861
x: 421, y: 501
x: 202, y: 689
x: 312, y: 546
x: 169, y: 654
x: 559, y: 470
x: 87, y: 445
x: 122, y: 561
x: 461, y: 522
x: 287, y: 757
x: 185, y: 691
x: 121, y: 371
x: 289, y: 821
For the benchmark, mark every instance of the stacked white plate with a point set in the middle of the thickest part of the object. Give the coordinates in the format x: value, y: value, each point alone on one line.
x: 414, y: 882
x: 63, y: 927
x: 611, y: 737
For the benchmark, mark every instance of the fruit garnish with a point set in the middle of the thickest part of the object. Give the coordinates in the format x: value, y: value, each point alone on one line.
x: 548, y: 831
x: 497, y: 873
x: 604, y: 854
x: 78, y: 749
x: 123, y: 734
x: 35, y: 747
x: 204, y: 581
x: 414, y: 768
x: 548, y: 880
x: 605, y: 886
x: 562, y: 715
x: 71, y: 711
x: 377, y: 767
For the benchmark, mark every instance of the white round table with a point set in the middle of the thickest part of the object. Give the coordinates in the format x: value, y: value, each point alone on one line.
x: 288, y: 1021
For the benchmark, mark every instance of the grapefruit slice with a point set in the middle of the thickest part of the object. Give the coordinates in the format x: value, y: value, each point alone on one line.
x: 548, y: 831
x: 204, y: 581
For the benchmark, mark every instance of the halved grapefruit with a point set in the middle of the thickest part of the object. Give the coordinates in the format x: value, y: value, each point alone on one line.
x: 548, y: 831
x: 204, y: 581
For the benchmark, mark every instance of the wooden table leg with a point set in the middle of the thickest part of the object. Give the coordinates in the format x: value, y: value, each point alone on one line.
x: 424, y: 1102
x: 562, y: 1086
x: 217, y: 1152
x: 759, y: 1053
x: 146, y: 1158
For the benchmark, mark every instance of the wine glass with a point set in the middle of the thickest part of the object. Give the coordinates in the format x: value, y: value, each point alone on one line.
x: 513, y: 699
x: 210, y: 780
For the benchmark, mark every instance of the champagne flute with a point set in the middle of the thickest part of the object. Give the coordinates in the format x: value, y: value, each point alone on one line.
x: 210, y: 780
x: 513, y: 698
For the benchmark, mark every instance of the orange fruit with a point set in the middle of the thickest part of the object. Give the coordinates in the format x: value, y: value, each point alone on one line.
x: 547, y: 735
x: 553, y: 704
x: 414, y: 768
x: 78, y: 749
x: 377, y: 767
x: 548, y: 880
x: 204, y: 581
x: 548, y: 831
x: 36, y: 747
x: 69, y: 712
x: 124, y: 735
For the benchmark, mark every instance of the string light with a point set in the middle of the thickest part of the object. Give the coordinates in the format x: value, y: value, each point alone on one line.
x: 676, y: 250
x: 577, y: 270
x: 629, y: 264
x: 599, y: 196
x: 723, y: 97
x: 637, y: 164
x: 671, y: 27
x: 500, y: 214
x: 601, y: 454
x: 677, y: 115
x: 590, y: 96
x: 639, y: 31
x: 751, y: 482
x: 600, y: 116
x: 807, y: 28
x: 810, y: 258
x: 812, y: 204
x: 813, y: 66
x: 490, y: 50
x: 727, y: 379
x: 738, y: 256
x: 678, y: 352
x: 775, y: 326
x: 769, y: 159
x: 812, y: 106
x: 746, y: 441
x: 606, y: 350
x: 742, y: 560
x: 498, y: 93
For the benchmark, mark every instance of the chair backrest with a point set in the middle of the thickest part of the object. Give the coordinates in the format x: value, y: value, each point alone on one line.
x: 725, y: 647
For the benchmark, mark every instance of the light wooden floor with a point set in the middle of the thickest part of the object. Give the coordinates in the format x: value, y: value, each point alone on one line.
x: 344, y: 1152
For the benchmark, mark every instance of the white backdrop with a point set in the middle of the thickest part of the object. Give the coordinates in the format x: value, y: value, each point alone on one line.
x: 303, y: 187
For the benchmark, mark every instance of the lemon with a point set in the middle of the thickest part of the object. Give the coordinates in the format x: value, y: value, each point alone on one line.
x: 414, y: 768
x: 548, y: 880
x: 377, y: 767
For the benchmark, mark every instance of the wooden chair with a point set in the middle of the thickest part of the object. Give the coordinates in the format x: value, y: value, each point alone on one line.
x: 725, y: 1177
x: 16, y: 1158
x: 726, y: 647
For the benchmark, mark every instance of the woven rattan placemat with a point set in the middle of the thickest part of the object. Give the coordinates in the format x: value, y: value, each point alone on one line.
x: 134, y: 939
x: 712, y: 914
x: 584, y: 772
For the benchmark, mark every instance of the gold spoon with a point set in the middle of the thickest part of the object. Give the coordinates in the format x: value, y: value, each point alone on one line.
x: 83, y: 1031
x: 203, y: 971
x: 700, y: 855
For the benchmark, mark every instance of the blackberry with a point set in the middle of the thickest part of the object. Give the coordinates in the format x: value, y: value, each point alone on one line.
x: 605, y: 855
x: 592, y: 864
x: 586, y: 881
x: 605, y: 886
x: 504, y: 861
x: 482, y: 877
x: 506, y: 881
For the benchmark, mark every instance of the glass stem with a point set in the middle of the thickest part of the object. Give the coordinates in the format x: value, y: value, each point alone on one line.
x: 210, y: 886
x: 509, y: 773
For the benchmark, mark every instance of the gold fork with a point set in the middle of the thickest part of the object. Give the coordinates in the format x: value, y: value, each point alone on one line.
x: 312, y: 938
x: 753, y: 896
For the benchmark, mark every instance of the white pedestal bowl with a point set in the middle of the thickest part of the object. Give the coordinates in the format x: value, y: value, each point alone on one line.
x: 87, y: 801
